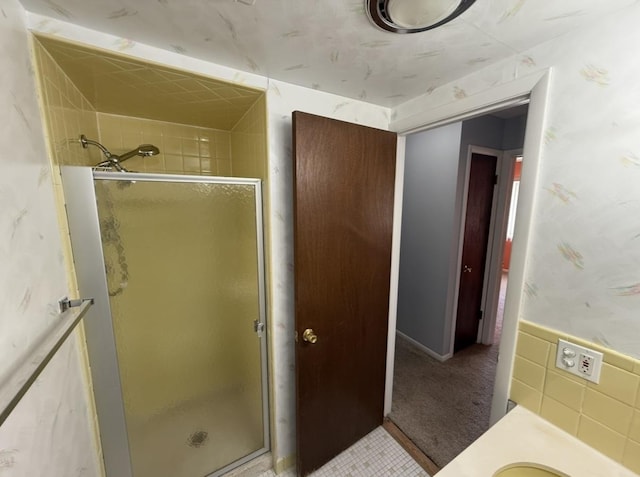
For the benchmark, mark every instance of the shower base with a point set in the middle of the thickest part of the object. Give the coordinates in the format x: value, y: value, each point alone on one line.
x: 195, y: 439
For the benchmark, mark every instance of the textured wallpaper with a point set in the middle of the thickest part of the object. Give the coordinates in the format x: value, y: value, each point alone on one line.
x: 50, y: 432
x: 583, y: 272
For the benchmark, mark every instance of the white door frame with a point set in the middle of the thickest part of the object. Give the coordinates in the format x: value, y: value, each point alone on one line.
x: 535, y: 88
x: 499, y: 220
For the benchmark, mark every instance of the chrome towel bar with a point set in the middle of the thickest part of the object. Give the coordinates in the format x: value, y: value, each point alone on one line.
x: 15, y: 384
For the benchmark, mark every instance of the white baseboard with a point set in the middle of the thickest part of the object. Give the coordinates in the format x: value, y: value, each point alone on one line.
x: 430, y: 352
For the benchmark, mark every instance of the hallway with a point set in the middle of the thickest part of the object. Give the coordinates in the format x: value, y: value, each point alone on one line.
x: 444, y: 406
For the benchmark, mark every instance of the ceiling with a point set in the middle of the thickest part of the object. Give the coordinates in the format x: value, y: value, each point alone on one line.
x: 330, y: 44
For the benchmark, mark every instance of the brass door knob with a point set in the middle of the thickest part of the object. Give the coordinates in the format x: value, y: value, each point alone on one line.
x: 309, y: 336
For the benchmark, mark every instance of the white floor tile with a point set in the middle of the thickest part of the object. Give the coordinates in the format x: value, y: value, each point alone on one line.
x: 375, y: 455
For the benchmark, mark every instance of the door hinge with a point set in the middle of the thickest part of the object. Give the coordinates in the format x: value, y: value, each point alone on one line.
x: 495, y: 179
x: 258, y: 327
x: 480, y: 315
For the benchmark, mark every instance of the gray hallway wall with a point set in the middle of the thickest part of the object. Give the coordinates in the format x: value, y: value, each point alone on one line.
x: 431, y: 171
x: 435, y: 164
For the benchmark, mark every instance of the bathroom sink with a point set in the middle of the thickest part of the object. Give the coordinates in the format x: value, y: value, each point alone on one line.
x: 526, y: 469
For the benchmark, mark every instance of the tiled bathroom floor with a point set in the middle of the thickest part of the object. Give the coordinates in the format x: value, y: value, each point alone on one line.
x: 375, y: 455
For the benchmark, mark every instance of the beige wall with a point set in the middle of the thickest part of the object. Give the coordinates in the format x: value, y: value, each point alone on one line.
x: 605, y: 415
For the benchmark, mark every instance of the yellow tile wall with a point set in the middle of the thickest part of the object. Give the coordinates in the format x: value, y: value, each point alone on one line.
x: 66, y: 112
x: 249, y: 143
x: 605, y: 415
x: 184, y: 149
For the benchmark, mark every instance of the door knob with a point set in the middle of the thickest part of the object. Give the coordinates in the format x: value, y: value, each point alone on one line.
x: 309, y: 336
x: 466, y: 269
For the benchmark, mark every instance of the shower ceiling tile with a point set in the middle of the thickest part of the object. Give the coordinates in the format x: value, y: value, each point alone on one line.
x: 168, y: 87
x: 190, y: 85
x: 128, y: 87
x: 330, y: 45
x: 150, y: 76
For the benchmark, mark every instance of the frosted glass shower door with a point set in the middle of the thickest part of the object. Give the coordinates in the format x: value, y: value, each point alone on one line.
x: 183, y: 265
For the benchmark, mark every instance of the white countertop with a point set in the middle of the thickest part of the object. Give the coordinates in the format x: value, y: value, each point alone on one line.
x: 522, y: 436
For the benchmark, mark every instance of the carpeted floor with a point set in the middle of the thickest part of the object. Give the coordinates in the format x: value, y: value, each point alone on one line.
x: 444, y: 407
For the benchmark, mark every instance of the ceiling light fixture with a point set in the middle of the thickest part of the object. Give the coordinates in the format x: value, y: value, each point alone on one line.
x: 413, y: 16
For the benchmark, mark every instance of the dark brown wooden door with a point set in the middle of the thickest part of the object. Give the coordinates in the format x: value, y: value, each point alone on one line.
x: 344, y: 178
x: 482, y: 179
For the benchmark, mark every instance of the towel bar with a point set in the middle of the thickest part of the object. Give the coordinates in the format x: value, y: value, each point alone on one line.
x: 15, y: 384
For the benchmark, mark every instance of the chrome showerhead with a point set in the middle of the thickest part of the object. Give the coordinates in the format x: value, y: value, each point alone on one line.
x: 144, y: 150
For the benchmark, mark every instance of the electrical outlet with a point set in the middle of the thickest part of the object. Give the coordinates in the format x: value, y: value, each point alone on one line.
x: 585, y: 364
x: 578, y: 360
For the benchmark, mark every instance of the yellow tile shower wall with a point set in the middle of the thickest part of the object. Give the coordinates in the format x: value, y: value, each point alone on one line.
x: 67, y: 113
x: 249, y: 143
x: 606, y: 415
x: 184, y: 149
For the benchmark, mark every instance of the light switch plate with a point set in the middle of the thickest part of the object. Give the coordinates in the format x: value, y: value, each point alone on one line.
x: 578, y: 360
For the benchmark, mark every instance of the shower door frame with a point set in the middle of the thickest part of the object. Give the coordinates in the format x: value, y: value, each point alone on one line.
x: 89, y: 264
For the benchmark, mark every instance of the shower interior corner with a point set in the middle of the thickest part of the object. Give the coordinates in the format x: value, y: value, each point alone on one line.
x: 202, y: 127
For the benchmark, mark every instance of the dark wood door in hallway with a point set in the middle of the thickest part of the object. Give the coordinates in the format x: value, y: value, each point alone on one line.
x: 482, y: 180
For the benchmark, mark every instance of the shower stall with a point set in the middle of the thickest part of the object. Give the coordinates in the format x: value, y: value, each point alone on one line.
x: 176, y: 343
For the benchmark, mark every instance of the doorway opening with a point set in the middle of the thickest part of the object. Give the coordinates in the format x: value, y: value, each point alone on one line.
x: 452, y: 288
